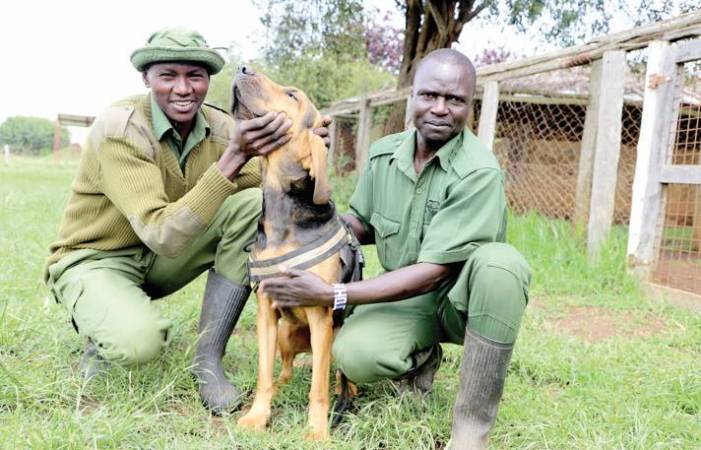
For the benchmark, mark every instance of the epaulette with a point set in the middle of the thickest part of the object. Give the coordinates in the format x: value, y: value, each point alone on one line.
x: 388, y: 144
x: 113, y: 121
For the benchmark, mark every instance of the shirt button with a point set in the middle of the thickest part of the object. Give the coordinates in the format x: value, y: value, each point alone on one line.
x: 419, y: 190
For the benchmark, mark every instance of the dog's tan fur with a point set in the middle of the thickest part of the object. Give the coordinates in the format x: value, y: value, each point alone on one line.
x: 293, y: 330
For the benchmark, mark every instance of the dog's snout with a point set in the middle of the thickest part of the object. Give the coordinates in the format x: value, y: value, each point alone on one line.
x: 246, y: 70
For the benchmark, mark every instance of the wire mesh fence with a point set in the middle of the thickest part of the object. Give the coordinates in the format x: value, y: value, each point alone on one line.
x: 540, y: 128
x: 678, y: 261
x: 538, y: 146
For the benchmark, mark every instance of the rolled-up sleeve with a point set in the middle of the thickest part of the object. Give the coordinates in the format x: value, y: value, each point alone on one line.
x: 361, y: 204
x: 473, y: 213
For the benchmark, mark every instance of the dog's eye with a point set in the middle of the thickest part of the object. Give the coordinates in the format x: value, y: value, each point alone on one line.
x: 292, y: 95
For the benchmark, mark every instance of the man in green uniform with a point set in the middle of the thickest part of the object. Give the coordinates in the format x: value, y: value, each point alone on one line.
x: 166, y: 189
x: 432, y: 201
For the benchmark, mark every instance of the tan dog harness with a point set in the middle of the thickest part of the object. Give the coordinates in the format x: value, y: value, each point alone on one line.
x: 304, y: 257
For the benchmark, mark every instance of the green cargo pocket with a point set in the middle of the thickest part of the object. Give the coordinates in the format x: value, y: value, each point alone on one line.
x: 385, y: 229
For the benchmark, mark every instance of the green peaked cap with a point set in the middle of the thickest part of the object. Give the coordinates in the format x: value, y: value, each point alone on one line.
x: 177, y: 45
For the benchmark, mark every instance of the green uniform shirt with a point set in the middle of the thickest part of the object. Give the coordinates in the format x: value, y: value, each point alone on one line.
x: 163, y: 129
x: 441, y: 215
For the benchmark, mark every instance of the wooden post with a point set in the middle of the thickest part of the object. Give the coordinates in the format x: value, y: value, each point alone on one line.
x: 607, y: 149
x: 586, y: 153
x: 471, y: 118
x: 333, y: 137
x: 696, y: 222
x: 7, y: 154
x: 57, y: 140
x: 656, y: 129
x: 488, y: 114
x: 409, y: 113
x: 362, y: 144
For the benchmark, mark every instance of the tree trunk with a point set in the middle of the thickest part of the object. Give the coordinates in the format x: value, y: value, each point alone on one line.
x: 430, y: 25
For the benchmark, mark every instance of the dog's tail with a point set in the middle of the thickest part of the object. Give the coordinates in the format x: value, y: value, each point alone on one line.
x: 346, y: 391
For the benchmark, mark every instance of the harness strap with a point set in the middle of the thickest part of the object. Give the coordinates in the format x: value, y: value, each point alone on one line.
x: 302, y: 258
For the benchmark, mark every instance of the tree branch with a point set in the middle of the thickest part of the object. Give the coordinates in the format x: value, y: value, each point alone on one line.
x: 442, y: 20
x: 411, y: 38
x: 428, y: 28
x: 467, y: 12
x: 478, y: 9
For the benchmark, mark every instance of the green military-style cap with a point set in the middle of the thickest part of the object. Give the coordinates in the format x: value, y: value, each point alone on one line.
x: 177, y: 45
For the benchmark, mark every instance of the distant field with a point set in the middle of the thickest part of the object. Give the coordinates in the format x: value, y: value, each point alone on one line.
x: 596, y: 366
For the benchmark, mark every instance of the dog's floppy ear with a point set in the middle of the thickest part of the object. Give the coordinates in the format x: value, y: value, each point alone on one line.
x: 318, y: 171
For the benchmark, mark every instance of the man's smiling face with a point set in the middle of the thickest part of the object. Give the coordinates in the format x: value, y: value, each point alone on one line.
x: 441, y: 100
x: 178, y: 88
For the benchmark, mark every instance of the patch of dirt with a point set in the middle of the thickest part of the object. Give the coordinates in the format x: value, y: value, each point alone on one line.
x: 594, y: 324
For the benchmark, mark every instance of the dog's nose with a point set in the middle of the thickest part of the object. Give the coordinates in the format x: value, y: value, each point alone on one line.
x: 246, y: 70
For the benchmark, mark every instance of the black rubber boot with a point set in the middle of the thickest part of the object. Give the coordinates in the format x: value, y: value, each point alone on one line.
x: 222, y: 305
x: 420, y: 380
x: 482, y: 375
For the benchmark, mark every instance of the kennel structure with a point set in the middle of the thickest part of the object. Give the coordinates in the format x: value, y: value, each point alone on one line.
x: 573, y: 131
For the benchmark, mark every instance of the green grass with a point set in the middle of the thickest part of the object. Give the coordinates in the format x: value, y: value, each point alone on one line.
x: 631, y: 390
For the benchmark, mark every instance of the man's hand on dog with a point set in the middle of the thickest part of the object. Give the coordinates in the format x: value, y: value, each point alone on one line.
x: 323, y: 131
x: 254, y: 137
x: 297, y: 288
x: 260, y: 136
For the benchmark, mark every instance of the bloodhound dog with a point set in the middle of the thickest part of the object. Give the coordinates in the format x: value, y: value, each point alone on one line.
x: 299, y: 228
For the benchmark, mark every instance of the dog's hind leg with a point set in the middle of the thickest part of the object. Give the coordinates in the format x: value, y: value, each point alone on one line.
x: 287, y: 355
x: 291, y: 340
x: 321, y: 328
x: 259, y: 414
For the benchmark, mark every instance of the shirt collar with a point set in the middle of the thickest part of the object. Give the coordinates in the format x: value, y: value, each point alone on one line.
x: 161, y: 124
x: 405, y: 153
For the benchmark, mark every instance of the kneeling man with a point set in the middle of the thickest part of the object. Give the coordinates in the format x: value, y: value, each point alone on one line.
x: 167, y: 188
x: 432, y: 201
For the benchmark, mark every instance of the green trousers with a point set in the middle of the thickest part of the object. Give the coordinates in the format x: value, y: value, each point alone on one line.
x: 388, y: 340
x: 108, y: 294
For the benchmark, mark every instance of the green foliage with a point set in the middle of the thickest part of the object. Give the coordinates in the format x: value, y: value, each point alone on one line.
x: 327, y: 80
x: 30, y: 135
x: 570, y: 22
x: 319, y: 47
x: 332, y: 28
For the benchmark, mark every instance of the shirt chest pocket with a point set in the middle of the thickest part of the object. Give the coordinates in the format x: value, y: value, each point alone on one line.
x: 386, y: 233
x: 432, y: 208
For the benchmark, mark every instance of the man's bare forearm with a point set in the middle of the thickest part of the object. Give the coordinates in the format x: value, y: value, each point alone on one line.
x: 399, y: 284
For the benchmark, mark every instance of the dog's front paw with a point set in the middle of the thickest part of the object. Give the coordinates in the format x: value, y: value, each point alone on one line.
x: 254, y: 420
x: 317, y: 435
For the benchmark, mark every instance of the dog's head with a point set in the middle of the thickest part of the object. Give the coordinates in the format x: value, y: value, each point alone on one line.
x: 254, y: 95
